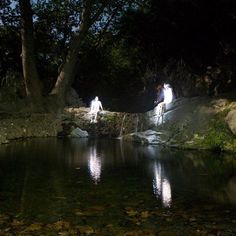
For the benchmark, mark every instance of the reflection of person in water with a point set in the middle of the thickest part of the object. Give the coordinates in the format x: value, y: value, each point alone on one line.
x: 95, y: 107
x: 161, y: 185
x: 95, y: 164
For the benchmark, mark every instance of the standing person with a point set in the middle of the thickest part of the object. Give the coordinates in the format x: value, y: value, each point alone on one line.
x: 95, y: 107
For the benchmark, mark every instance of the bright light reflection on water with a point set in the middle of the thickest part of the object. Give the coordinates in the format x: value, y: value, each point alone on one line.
x: 161, y: 186
x: 46, y: 179
x: 95, y: 165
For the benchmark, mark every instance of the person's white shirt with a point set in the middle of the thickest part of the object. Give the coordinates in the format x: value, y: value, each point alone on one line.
x: 168, y: 94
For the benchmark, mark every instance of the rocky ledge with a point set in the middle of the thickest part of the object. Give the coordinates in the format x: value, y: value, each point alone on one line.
x: 73, y: 122
x: 196, y: 123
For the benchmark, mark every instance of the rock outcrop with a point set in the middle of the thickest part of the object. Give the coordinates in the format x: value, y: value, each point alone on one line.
x: 196, y: 123
x: 231, y: 121
x: 31, y: 125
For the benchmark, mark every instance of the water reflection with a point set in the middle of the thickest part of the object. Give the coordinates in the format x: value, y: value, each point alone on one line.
x: 40, y: 170
x: 161, y: 186
x: 94, y: 164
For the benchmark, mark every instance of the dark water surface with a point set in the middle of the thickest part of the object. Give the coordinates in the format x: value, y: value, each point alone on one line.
x: 108, y: 187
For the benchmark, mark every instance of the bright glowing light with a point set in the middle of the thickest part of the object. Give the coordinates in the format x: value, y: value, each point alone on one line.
x: 95, y: 165
x: 161, y: 186
x: 168, y: 94
x: 166, y: 193
x: 95, y: 107
x: 159, y: 111
x: 157, y: 180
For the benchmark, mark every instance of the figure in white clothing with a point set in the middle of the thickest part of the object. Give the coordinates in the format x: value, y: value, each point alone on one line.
x: 95, y: 107
x: 168, y: 94
x: 165, y: 96
x: 159, y: 111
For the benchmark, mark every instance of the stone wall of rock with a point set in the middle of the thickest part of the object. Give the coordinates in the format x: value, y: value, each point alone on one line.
x: 25, y: 126
x: 109, y: 124
x: 197, y: 123
x: 231, y: 121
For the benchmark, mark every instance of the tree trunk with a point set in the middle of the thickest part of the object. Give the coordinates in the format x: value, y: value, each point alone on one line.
x: 66, y: 75
x: 31, y: 78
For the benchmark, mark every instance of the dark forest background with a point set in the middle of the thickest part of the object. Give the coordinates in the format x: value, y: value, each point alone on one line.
x: 127, y: 51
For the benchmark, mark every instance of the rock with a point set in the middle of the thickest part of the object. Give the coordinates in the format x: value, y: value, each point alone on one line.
x: 231, y: 121
x: 59, y: 225
x: 3, y: 139
x: 34, y: 227
x: 218, y: 103
x: 145, y: 214
x: 146, y: 137
x: 86, y: 230
x: 33, y: 125
x: 79, y: 133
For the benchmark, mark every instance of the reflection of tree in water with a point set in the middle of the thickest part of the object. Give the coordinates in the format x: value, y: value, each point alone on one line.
x: 161, y: 185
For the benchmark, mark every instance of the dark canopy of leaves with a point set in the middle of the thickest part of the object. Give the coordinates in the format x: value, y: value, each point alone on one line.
x: 127, y: 49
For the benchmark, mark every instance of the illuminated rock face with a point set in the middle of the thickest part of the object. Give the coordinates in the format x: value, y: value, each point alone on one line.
x: 191, y: 123
x: 231, y: 120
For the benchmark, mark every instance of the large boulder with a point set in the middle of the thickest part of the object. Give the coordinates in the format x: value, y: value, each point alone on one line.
x: 79, y: 133
x: 231, y: 121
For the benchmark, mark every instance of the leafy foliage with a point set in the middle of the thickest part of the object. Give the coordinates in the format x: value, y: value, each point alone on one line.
x: 130, y: 45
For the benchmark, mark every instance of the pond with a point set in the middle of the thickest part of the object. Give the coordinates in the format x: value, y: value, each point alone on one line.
x: 108, y: 187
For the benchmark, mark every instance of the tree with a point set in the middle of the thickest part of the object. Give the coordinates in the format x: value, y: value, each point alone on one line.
x: 32, y: 82
x: 65, y: 77
x: 90, y: 11
x: 10, y: 44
